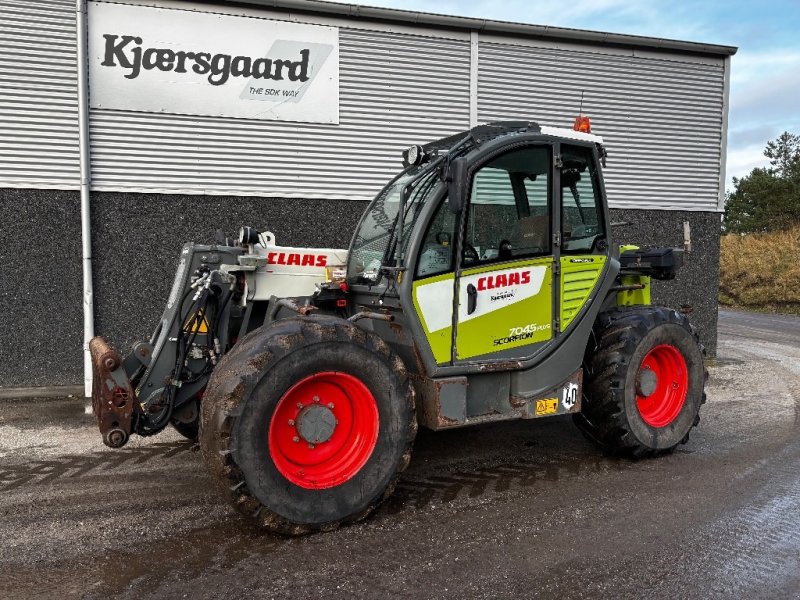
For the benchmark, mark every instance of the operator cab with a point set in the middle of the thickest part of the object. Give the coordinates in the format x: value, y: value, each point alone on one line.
x: 520, y: 181
x: 497, y: 236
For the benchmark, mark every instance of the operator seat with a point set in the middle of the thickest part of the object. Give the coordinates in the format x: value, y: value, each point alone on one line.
x: 530, y: 235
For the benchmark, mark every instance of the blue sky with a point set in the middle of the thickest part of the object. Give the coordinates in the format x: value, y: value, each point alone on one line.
x: 765, y: 73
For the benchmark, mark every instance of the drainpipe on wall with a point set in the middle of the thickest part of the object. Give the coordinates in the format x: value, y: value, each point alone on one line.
x: 86, y: 179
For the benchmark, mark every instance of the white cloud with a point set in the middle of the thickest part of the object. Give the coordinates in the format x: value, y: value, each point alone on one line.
x: 741, y: 161
x: 765, y: 86
x: 748, y: 65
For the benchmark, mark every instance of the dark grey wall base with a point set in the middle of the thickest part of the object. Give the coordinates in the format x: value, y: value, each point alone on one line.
x: 137, y: 239
x: 696, y: 288
x: 40, y: 288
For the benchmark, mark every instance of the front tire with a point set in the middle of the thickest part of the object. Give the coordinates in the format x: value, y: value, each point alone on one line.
x: 308, y: 423
x: 645, y: 382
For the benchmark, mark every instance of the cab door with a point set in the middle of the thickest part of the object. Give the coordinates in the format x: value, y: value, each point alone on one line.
x: 584, y: 248
x: 505, y: 285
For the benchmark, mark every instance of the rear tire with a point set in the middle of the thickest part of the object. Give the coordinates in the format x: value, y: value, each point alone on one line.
x: 645, y: 382
x: 307, y: 424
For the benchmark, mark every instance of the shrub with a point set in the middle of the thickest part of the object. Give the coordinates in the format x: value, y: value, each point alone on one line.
x: 761, y: 270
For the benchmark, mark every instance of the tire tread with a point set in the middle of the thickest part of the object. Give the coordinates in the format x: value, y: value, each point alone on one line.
x: 617, y: 333
x: 237, y: 376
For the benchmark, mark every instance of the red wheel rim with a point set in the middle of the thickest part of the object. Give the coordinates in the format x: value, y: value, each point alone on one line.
x: 660, y: 404
x: 324, y: 430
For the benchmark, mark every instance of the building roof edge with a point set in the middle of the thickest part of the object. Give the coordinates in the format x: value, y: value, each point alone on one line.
x: 408, y: 17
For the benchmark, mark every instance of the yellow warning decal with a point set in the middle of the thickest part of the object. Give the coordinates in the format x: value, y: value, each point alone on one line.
x: 197, y: 323
x: 548, y: 406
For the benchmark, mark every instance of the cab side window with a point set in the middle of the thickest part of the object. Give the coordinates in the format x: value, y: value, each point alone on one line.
x: 509, y: 215
x: 436, y: 256
x: 581, y: 215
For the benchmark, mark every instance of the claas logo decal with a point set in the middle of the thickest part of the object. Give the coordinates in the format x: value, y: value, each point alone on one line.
x: 301, y: 260
x: 503, y: 280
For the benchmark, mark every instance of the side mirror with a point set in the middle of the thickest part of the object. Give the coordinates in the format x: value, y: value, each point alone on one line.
x: 457, y: 185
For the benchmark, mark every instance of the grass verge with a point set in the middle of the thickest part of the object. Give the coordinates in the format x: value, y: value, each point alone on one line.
x: 761, y: 271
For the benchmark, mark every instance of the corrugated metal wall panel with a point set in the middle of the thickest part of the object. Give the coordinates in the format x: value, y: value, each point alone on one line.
x: 38, y: 94
x: 395, y: 90
x: 661, y: 119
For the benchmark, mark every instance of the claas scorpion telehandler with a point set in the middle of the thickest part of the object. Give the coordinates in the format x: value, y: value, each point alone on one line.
x: 482, y: 284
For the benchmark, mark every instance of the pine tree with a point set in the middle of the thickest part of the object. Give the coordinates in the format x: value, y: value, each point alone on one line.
x: 768, y: 199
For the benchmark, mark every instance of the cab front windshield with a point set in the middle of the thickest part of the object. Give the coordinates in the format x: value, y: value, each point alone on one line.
x: 375, y: 231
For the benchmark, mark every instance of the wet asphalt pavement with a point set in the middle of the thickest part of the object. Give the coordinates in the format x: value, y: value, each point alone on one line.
x: 522, y: 509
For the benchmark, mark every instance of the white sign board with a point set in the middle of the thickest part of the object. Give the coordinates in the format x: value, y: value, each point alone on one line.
x: 186, y: 62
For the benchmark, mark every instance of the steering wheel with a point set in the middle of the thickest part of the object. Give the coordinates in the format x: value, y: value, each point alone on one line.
x: 442, y: 238
x: 470, y: 254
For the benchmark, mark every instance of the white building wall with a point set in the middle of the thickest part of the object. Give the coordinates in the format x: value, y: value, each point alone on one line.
x: 662, y: 115
x: 38, y: 94
x: 392, y: 94
x: 661, y: 118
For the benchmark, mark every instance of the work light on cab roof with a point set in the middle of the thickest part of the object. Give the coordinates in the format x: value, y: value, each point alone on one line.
x: 414, y: 155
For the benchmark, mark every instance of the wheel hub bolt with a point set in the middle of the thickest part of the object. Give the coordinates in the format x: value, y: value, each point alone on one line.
x: 330, y: 405
x: 299, y: 405
x: 311, y: 446
x: 316, y: 398
x: 295, y: 439
x: 291, y: 422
